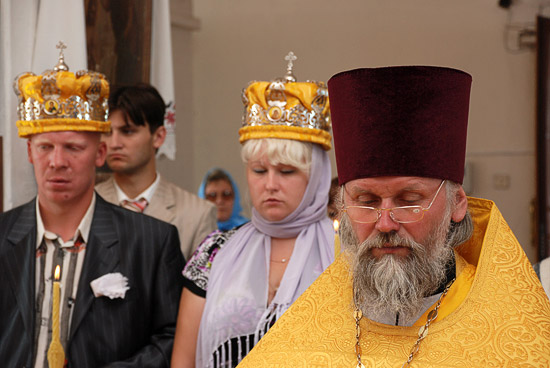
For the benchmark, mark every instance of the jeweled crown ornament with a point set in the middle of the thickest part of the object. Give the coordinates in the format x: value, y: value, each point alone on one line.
x: 287, y: 109
x: 59, y: 100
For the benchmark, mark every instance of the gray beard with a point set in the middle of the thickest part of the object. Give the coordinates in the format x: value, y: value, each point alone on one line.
x: 392, y: 283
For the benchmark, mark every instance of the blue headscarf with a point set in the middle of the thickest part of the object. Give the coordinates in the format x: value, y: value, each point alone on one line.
x: 236, y: 218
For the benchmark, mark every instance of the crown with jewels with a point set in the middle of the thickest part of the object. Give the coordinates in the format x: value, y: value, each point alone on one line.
x: 284, y: 108
x: 59, y: 100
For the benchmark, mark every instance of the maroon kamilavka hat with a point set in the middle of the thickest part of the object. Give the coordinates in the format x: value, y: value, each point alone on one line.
x: 400, y: 121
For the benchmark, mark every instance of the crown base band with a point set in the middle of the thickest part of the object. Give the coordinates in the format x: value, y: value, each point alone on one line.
x: 27, y: 128
x: 310, y: 135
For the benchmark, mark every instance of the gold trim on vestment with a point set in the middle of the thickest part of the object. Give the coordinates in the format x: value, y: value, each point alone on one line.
x: 501, y: 320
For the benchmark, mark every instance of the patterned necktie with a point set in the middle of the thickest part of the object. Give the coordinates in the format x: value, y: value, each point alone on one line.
x: 136, y: 206
x: 72, y: 251
x: 68, y: 299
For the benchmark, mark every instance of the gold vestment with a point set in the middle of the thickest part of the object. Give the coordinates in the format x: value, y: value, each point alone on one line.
x: 496, y: 314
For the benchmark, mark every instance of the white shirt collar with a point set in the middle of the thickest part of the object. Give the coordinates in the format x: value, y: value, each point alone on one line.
x: 147, y: 193
x: 83, y: 229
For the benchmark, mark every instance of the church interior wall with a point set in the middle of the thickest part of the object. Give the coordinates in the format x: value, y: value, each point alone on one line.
x: 230, y: 43
x: 219, y: 46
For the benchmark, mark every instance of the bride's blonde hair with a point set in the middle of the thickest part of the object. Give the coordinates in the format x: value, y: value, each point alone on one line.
x: 279, y: 151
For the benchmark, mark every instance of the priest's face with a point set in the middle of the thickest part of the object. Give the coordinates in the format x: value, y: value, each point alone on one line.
x: 396, y: 264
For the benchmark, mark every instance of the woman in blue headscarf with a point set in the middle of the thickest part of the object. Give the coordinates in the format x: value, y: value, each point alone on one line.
x: 219, y: 188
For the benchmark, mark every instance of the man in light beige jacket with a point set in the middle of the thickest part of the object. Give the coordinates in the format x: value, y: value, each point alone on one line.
x: 137, y: 116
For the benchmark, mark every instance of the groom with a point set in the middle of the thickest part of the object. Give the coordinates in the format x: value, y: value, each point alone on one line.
x: 124, y: 319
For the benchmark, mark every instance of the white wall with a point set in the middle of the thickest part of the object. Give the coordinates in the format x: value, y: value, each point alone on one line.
x: 243, y: 40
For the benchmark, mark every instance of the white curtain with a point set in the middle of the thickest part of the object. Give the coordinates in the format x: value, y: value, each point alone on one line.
x: 29, y: 32
x: 162, y: 71
x: 17, y: 25
x: 60, y: 20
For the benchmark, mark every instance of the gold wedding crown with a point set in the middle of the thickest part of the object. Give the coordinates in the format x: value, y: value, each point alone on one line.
x: 284, y: 108
x: 59, y: 100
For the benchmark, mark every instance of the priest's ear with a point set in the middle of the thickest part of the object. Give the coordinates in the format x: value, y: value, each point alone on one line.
x: 461, y: 204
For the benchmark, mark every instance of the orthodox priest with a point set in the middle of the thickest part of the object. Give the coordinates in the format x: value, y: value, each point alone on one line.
x: 428, y: 277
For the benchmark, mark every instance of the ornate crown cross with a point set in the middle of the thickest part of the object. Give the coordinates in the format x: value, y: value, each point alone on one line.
x: 61, y: 63
x: 289, y: 75
x: 61, y: 46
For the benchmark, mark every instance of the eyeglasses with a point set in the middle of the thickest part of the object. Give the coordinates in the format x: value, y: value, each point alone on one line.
x: 212, y: 196
x: 403, y: 215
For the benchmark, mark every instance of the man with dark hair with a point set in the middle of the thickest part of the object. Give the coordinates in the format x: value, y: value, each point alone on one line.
x: 137, y: 121
x: 428, y: 276
x: 84, y: 283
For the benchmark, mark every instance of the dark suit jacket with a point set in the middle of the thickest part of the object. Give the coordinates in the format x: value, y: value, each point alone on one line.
x: 194, y: 217
x: 136, y: 331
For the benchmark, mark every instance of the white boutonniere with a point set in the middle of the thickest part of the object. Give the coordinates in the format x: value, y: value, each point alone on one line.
x: 111, y: 285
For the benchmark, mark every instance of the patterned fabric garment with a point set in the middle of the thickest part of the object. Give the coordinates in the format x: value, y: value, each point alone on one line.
x: 196, y: 274
x: 136, y: 206
x: 496, y: 314
x: 197, y: 270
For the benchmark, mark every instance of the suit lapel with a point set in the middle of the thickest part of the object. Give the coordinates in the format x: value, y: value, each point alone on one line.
x: 19, y: 263
x: 108, y: 191
x: 163, y: 205
x: 102, y: 256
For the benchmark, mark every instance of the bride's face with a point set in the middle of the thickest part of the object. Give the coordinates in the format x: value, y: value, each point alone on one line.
x: 275, y: 190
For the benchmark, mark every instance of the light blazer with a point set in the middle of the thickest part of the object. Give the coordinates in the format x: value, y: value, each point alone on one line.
x: 194, y: 217
x: 136, y: 331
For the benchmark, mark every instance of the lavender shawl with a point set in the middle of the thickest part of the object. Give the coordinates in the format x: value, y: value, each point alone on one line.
x: 236, y: 299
